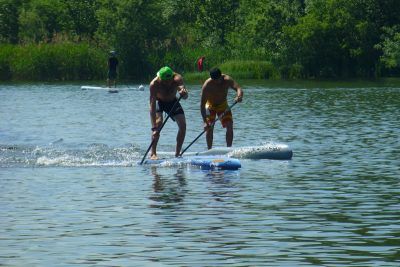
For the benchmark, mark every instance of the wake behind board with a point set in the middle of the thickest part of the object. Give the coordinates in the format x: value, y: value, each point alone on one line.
x: 203, y: 162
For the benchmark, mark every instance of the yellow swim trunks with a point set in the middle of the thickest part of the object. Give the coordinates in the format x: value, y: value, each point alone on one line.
x: 217, y: 110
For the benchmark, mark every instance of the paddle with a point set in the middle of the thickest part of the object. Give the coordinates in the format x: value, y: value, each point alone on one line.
x: 212, y: 125
x: 159, y: 130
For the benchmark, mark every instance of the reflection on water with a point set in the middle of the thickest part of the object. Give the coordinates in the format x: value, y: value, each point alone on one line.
x: 168, y: 191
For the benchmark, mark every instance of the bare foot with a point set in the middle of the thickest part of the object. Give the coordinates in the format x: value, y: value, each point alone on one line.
x: 154, y: 156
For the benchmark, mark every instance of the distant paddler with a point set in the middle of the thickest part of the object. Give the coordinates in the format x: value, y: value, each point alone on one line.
x: 163, y: 89
x: 112, y: 69
x: 214, y: 103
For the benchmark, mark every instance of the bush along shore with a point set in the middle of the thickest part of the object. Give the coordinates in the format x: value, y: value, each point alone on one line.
x: 51, y: 62
x: 71, y: 61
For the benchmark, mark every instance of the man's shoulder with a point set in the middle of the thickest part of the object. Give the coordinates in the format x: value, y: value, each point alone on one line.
x: 207, y: 82
x: 177, y: 76
x: 178, y: 79
x: 227, y: 77
x: 228, y: 80
x: 154, y: 82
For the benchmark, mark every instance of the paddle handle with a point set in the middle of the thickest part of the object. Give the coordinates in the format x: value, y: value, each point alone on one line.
x: 212, y: 125
x: 159, y: 130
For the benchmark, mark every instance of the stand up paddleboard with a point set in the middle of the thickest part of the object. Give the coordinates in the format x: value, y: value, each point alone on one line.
x: 267, y: 151
x: 111, y: 89
x: 270, y: 151
x: 203, y: 162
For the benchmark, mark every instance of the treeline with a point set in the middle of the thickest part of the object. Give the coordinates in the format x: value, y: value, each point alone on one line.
x: 70, y: 39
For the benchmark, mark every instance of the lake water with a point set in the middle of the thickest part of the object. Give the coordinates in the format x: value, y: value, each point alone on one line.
x: 72, y: 194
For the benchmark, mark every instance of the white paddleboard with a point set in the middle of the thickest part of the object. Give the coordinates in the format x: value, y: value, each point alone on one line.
x: 140, y: 88
x: 267, y: 151
x: 111, y: 90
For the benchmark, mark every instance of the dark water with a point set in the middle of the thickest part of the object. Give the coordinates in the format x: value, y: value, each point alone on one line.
x: 71, y: 193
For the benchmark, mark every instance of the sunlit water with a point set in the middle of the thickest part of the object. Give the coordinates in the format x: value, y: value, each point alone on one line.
x: 71, y: 192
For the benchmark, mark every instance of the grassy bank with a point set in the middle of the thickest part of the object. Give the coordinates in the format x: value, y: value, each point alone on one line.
x: 72, y: 61
x: 241, y: 69
x: 51, y: 62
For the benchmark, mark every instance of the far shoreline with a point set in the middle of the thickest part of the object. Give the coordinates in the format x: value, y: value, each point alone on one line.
x: 270, y: 83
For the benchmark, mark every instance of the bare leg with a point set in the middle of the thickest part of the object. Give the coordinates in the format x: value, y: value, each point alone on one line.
x: 229, y: 134
x: 159, y: 119
x: 180, y: 137
x: 154, y: 147
x: 209, y: 137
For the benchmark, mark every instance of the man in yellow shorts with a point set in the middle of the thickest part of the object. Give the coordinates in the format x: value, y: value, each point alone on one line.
x: 214, y: 103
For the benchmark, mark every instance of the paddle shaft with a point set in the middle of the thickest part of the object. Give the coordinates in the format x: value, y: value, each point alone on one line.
x: 212, y: 125
x: 159, y: 130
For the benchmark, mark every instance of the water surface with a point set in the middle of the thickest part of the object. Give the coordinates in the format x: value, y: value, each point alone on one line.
x: 72, y: 194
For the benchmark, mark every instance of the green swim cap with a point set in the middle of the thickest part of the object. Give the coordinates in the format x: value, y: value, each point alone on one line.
x: 165, y: 73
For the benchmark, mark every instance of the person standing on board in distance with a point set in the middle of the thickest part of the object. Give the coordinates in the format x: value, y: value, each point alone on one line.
x: 214, y: 103
x: 163, y: 89
x: 112, y: 69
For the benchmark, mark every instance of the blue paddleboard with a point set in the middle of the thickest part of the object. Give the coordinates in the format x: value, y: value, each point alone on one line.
x: 203, y: 162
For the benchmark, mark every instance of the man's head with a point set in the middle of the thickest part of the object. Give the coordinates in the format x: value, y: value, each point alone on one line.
x: 113, y: 53
x: 215, y: 73
x: 165, y: 74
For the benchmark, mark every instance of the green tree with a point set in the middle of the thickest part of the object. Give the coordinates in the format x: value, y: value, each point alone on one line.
x: 390, y: 47
x: 9, y: 27
x: 260, y: 29
x: 40, y: 20
x: 107, y: 18
x: 339, y: 37
x: 332, y: 39
x: 217, y: 19
x: 134, y: 28
x: 82, y: 13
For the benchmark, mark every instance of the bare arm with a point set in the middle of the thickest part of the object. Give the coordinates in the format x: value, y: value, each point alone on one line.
x: 153, y: 100
x: 181, y: 87
x: 239, y: 92
x: 203, y: 101
x: 183, y: 91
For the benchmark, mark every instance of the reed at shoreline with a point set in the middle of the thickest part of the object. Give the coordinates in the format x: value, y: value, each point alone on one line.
x: 80, y: 61
x: 51, y: 62
x: 67, y: 61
